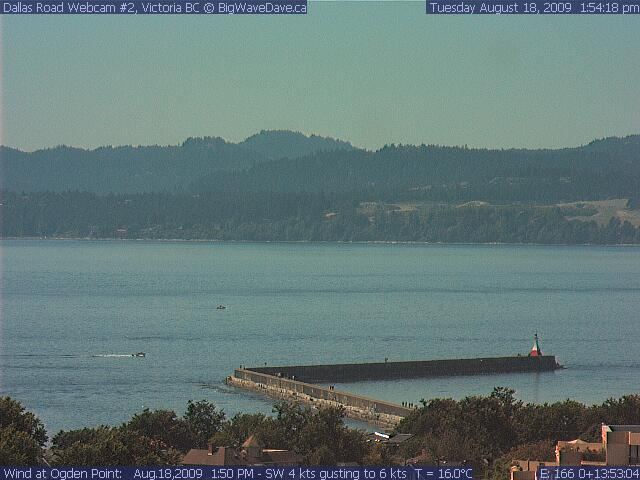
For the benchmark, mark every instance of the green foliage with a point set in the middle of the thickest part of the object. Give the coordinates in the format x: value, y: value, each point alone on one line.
x: 165, y: 427
x: 64, y: 439
x: 22, y: 434
x: 458, y: 430
x: 294, y: 216
x: 13, y: 414
x: 483, y: 431
x: 158, y: 437
x: 321, y: 437
x: 621, y: 411
x: 379, y: 454
x: 325, y: 440
x: 566, y: 420
x: 18, y: 448
x: 491, y: 431
x: 204, y: 420
x: 152, y: 437
x: 487, y: 432
x: 108, y: 446
x: 455, y: 445
x: 236, y: 430
x: 291, y: 421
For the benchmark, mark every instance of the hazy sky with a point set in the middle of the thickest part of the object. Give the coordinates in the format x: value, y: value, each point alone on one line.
x: 368, y: 72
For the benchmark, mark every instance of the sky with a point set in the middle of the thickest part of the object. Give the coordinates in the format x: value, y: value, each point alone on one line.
x: 372, y: 73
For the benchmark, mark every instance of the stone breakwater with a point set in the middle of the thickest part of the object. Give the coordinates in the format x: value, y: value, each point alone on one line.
x: 375, y: 412
x: 360, y: 372
x: 299, y: 383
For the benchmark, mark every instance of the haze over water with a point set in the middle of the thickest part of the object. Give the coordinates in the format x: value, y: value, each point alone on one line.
x: 65, y: 303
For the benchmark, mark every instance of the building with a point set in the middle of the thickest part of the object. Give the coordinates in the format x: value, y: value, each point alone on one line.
x: 577, y: 452
x: 620, y: 446
x: 252, y: 453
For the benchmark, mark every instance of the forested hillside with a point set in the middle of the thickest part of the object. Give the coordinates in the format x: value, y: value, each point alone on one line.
x: 129, y: 169
x: 287, y: 186
x: 298, y: 217
x: 604, y: 169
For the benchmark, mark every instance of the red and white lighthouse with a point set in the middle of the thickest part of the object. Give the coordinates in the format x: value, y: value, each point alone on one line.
x: 535, y: 350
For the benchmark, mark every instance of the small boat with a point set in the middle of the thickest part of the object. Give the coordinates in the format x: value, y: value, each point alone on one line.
x: 220, y: 307
x: 138, y: 354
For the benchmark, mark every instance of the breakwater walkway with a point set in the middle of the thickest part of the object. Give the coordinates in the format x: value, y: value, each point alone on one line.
x: 376, y: 412
x: 298, y: 383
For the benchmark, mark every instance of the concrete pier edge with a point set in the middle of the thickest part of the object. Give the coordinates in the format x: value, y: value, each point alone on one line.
x: 298, y: 383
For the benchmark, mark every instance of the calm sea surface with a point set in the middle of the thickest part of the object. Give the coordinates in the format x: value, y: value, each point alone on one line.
x: 66, y: 303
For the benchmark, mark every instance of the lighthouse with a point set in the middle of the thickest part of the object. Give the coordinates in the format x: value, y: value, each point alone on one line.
x: 535, y: 350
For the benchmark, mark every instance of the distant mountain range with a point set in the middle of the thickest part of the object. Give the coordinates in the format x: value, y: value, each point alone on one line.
x: 608, y: 168
x: 290, y: 162
x: 128, y: 169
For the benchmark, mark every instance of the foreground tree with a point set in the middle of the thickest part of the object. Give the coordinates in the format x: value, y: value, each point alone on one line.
x: 163, y: 426
x: 18, y: 448
x: 204, y: 421
x: 236, y: 430
x: 12, y: 413
x: 22, y: 434
x: 322, y: 437
x: 107, y: 446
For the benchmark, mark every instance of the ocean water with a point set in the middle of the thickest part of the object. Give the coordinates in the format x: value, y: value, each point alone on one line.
x: 72, y: 312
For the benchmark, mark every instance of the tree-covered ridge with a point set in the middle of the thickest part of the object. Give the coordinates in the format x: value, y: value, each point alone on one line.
x: 282, y: 161
x: 208, y: 188
x: 287, y: 144
x: 149, y: 168
x: 304, y: 217
x: 605, y: 169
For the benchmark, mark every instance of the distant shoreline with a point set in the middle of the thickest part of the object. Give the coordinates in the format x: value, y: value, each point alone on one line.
x: 338, y: 242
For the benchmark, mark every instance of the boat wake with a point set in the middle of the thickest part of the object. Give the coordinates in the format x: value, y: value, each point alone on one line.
x: 100, y: 355
x: 119, y: 355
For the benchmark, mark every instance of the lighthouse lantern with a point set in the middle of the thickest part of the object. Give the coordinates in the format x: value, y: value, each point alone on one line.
x: 535, y: 351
